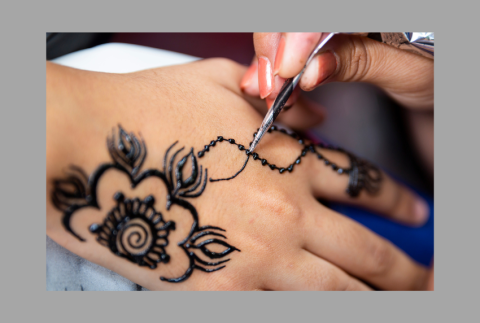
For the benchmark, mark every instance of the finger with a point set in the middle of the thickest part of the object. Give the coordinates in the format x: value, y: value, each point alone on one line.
x: 360, y: 252
x: 309, y: 272
x: 407, y: 77
x: 318, y: 71
x: 302, y: 115
x: 266, y: 45
x: 249, y: 83
x: 333, y: 178
x: 291, y: 100
x: 293, y: 52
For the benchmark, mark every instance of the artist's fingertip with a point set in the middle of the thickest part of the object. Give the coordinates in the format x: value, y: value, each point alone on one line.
x: 249, y: 83
x: 318, y: 72
x: 265, y: 77
x: 279, y: 56
x: 248, y: 76
x: 269, y: 102
x: 310, y: 76
x: 298, y: 47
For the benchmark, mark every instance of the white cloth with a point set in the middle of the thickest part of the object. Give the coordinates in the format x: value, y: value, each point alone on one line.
x: 65, y: 270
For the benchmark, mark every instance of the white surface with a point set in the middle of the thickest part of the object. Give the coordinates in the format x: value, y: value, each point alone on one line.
x: 122, y: 58
x: 65, y: 270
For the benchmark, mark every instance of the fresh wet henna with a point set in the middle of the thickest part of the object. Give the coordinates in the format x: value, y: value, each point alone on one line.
x: 362, y: 174
x: 134, y: 230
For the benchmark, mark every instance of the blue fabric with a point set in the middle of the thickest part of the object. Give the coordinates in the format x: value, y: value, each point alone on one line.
x: 416, y: 242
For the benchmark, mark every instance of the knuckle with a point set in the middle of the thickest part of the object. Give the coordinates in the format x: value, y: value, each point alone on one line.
x: 381, y: 258
x: 331, y: 280
x: 359, y: 62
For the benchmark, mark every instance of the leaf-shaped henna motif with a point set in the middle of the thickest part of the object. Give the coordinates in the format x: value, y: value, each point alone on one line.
x: 133, y: 229
x: 71, y: 190
x: 126, y: 150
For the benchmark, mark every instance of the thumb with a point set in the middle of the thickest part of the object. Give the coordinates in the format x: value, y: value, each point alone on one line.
x: 407, y: 77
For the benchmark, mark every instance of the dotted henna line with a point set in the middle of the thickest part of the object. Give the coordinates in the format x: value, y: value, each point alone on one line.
x: 281, y: 170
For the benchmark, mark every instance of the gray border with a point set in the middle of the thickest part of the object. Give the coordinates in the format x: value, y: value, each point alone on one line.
x: 24, y: 161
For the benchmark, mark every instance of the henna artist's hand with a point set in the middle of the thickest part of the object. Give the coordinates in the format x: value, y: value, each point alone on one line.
x: 407, y: 77
x: 148, y: 212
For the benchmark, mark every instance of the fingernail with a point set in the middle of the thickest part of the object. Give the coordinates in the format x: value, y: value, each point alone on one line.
x: 421, y: 210
x: 269, y: 102
x: 248, y: 77
x: 265, y: 77
x: 319, y: 70
x: 279, y: 56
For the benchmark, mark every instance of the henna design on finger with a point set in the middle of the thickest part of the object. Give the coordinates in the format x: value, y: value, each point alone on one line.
x: 133, y: 229
x: 362, y: 174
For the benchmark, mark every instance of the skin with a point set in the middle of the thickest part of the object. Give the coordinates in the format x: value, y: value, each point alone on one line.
x: 288, y: 240
x: 406, y: 77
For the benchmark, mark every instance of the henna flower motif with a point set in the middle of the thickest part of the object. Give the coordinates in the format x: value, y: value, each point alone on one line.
x: 133, y: 229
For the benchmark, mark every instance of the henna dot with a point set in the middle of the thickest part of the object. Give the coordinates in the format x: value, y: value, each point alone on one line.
x: 247, y: 152
x: 165, y: 258
x: 327, y: 162
x: 94, y: 228
x: 269, y: 130
x: 153, y: 266
x: 220, y: 138
x: 232, y: 141
x: 149, y: 200
x: 254, y: 135
x: 304, y: 152
x: 283, y: 131
x: 264, y: 162
x: 206, y: 148
x: 273, y: 128
x: 255, y: 156
x: 241, y: 147
x: 281, y: 170
x: 290, y: 168
x: 334, y: 167
x: 300, y: 141
x: 119, y: 196
x: 340, y: 171
x: 200, y: 154
x: 311, y: 148
x: 319, y: 156
x: 212, y: 143
x: 297, y: 161
x: 272, y: 166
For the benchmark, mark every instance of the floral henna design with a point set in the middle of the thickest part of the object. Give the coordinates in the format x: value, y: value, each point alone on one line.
x: 362, y: 174
x: 133, y: 229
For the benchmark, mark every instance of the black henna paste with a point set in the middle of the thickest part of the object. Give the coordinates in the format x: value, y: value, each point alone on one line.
x: 133, y: 229
x: 362, y: 174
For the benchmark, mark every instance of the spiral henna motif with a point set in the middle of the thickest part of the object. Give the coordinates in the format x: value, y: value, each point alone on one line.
x: 135, y: 231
